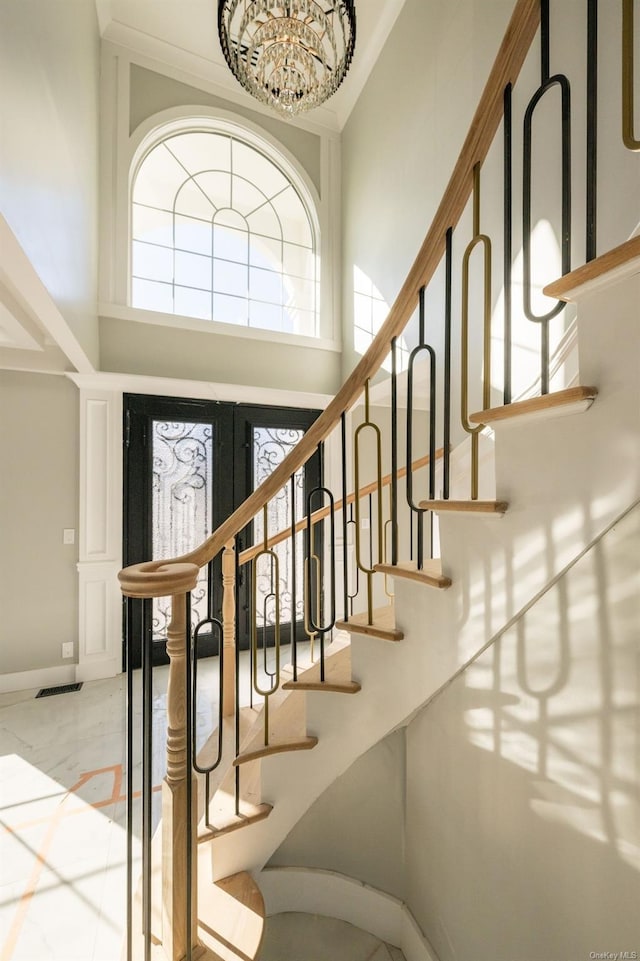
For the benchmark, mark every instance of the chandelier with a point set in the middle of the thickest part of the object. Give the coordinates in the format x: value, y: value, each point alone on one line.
x: 289, y: 54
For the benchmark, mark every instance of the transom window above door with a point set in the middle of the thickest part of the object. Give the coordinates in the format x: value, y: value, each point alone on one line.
x: 221, y: 231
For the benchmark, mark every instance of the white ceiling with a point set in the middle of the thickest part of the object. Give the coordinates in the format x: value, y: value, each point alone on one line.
x: 183, y: 33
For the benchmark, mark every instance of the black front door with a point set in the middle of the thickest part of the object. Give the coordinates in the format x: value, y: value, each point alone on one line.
x: 188, y: 464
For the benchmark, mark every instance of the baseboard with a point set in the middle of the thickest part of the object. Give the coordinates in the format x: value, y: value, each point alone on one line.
x: 337, y: 896
x: 43, y: 677
x: 98, y: 670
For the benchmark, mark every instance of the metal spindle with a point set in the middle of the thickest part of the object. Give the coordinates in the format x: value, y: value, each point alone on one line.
x: 368, y: 425
x: 147, y: 777
x: 130, y: 762
x: 189, y: 763
x: 592, y: 129
x: 446, y: 437
x: 237, y: 681
x: 547, y: 82
x: 508, y: 236
x: 393, y: 502
x: 345, y: 554
x: 422, y: 346
x: 207, y: 769
x: 629, y: 138
x: 294, y: 586
x: 482, y: 240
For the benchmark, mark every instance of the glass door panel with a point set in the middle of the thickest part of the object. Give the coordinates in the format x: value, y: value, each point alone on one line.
x: 181, y: 506
x: 270, y: 446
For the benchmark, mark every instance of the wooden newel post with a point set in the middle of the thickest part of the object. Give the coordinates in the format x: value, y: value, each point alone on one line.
x: 175, y: 869
x: 229, y: 629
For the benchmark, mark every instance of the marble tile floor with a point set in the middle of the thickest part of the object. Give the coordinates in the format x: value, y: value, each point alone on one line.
x: 63, y: 818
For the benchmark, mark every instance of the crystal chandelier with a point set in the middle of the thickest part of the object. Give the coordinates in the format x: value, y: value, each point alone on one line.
x: 289, y: 54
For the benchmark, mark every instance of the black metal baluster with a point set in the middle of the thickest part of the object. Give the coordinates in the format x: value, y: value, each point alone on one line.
x: 294, y: 641
x: 345, y: 558
x: 415, y: 509
x: 207, y: 769
x: 189, y: 761
x: 592, y: 129
x: 547, y: 82
x: 508, y: 237
x: 237, y: 679
x: 315, y: 616
x: 351, y: 523
x: 129, y: 602
x: 147, y: 777
x: 446, y: 435
x: 394, y: 451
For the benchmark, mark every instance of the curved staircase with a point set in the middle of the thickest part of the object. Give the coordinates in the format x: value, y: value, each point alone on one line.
x: 562, y: 478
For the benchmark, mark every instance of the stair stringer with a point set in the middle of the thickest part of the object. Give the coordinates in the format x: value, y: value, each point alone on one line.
x: 567, y: 480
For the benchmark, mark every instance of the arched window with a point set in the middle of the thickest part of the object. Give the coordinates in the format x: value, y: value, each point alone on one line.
x: 221, y: 230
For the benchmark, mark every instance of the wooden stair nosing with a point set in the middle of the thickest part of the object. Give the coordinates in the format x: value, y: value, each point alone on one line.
x: 610, y: 266
x: 547, y: 403
x: 305, y: 743
x: 410, y: 572
x: 334, y: 687
x: 232, y: 822
x: 378, y: 628
x: 491, y: 508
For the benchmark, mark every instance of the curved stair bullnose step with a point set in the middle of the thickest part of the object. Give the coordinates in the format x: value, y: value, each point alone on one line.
x: 430, y: 574
x: 573, y: 400
x: 381, y: 625
x: 276, y: 746
x: 347, y: 687
x: 487, y: 508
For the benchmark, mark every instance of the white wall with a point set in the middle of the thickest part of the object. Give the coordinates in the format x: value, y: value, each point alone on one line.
x: 523, y: 815
x: 38, y: 499
x: 356, y: 827
x: 49, y: 72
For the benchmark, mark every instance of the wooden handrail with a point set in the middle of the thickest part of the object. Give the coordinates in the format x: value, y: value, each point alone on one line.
x: 323, y: 512
x: 506, y: 68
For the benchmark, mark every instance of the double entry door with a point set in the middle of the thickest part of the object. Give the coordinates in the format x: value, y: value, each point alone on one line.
x: 187, y: 465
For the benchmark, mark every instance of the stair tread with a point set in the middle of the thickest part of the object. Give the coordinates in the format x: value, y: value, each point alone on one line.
x: 599, y: 272
x: 465, y: 507
x: 236, y: 907
x: 276, y: 746
x: 231, y: 917
x: 223, y: 818
x: 571, y: 400
x: 337, y: 671
x: 382, y: 626
x: 335, y: 687
x: 430, y: 574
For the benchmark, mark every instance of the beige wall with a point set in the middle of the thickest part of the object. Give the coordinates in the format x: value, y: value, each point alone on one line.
x: 49, y: 71
x: 151, y: 92
x: 38, y: 499
x: 135, y: 348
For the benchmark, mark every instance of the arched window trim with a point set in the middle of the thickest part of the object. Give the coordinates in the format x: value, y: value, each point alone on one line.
x: 168, y: 123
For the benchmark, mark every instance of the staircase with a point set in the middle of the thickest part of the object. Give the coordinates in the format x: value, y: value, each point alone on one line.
x: 447, y: 591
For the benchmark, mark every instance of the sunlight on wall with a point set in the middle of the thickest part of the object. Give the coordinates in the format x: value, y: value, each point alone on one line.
x: 525, y: 334
x: 557, y: 696
x: 370, y: 310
